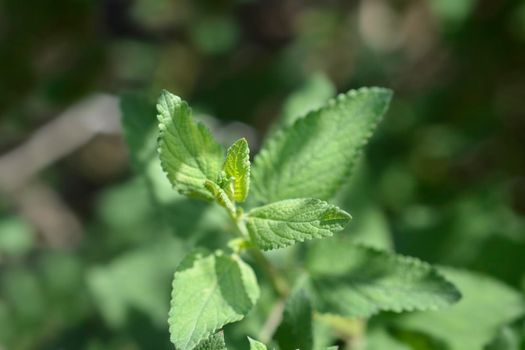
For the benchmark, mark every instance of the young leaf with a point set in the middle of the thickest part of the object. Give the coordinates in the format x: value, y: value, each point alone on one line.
x: 256, y: 345
x: 237, y: 166
x: 486, y: 305
x: 295, y: 330
x: 214, y: 342
x: 365, y: 281
x: 220, y: 196
x: 314, y: 156
x: 188, y: 152
x: 283, y: 223
x: 208, y: 293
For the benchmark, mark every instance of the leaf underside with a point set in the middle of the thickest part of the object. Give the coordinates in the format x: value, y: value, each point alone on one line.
x: 365, y: 281
x: 313, y: 157
x: 188, y: 152
x: 208, y: 293
x: 286, y: 222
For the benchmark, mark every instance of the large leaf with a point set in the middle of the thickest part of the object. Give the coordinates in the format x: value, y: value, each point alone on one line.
x: 295, y: 330
x: 358, y: 281
x: 283, y: 223
x: 486, y: 305
x: 188, y: 152
x: 237, y: 166
x: 314, y: 156
x: 208, y: 293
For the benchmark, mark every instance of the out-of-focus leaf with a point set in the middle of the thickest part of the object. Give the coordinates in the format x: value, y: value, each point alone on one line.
x: 16, y: 236
x: 314, y: 92
x: 379, y: 339
x: 486, y: 305
x: 295, y: 330
x: 365, y: 281
x: 138, y: 280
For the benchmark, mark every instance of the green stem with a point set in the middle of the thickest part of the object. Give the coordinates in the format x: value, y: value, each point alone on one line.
x: 278, y: 282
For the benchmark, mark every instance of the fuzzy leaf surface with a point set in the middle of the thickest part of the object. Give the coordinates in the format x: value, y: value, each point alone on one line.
x: 237, y: 166
x: 312, y: 157
x: 295, y: 330
x: 214, y: 342
x: 365, y: 281
x: 286, y: 222
x: 208, y: 293
x: 188, y: 152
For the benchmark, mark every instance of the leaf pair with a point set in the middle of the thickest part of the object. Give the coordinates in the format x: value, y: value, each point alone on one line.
x: 191, y: 157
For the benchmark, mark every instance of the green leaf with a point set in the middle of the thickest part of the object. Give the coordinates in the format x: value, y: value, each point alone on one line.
x: 220, y: 196
x: 256, y: 345
x: 283, y: 223
x: 357, y: 281
x: 139, y: 124
x: 509, y: 337
x: 208, y: 293
x: 214, y: 342
x: 237, y: 166
x: 188, y: 152
x: 316, y: 154
x: 315, y: 91
x: 295, y: 330
x: 379, y: 339
x: 486, y: 305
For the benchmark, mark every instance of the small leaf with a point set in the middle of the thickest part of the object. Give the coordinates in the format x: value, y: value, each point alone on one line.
x: 256, y: 345
x: 316, y: 154
x: 356, y: 281
x: 208, y: 293
x: 214, y: 342
x: 188, y: 152
x: 283, y: 223
x: 295, y: 330
x: 220, y: 196
x: 237, y: 166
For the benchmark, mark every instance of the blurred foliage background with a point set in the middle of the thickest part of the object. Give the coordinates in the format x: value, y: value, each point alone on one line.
x: 85, y: 262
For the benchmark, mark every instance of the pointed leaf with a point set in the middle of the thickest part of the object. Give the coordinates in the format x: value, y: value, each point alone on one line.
x: 188, y: 152
x: 256, y: 345
x: 365, y: 281
x: 237, y: 166
x: 284, y: 223
x: 208, y: 293
x: 295, y: 330
x: 314, y: 156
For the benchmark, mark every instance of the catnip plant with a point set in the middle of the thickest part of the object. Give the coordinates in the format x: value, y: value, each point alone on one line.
x: 280, y: 200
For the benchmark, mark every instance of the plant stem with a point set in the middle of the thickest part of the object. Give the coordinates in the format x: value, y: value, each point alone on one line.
x: 277, y: 281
